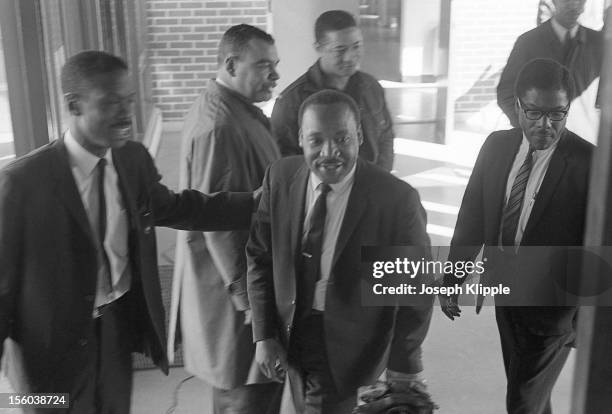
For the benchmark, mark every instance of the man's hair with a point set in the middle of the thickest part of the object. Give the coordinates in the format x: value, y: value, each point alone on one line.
x: 332, y: 20
x: 236, y: 40
x: 80, y: 70
x: 546, y: 75
x: 330, y: 97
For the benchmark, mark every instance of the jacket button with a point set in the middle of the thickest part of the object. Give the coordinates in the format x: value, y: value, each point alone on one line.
x: 288, y: 328
x: 147, y: 230
x: 83, y: 342
x: 293, y: 302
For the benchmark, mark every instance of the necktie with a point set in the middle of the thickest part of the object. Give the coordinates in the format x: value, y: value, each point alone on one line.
x: 312, y: 246
x: 108, y: 282
x: 568, y: 46
x: 512, y: 210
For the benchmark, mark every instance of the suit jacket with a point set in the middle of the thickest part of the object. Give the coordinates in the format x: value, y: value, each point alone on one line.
x: 49, y: 263
x: 382, y: 211
x: 557, y: 217
x: 584, y: 62
x: 226, y: 146
x: 376, y: 122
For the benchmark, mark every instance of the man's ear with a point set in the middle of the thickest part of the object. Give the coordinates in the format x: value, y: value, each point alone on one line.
x: 360, y: 136
x: 73, y: 103
x: 517, y: 108
x: 230, y: 65
x: 300, y: 138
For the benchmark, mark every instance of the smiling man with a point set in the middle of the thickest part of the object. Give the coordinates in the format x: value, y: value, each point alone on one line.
x: 226, y: 146
x: 79, y: 289
x: 528, y: 188
x: 339, y: 43
x: 304, y: 256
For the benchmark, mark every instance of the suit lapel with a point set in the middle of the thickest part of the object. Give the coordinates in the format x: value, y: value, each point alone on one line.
x: 128, y: 199
x: 547, y: 188
x: 67, y: 190
x: 497, y: 189
x: 356, y: 207
x: 297, y: 199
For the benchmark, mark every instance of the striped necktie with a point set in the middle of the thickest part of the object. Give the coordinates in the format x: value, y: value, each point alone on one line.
x: 512, y: 210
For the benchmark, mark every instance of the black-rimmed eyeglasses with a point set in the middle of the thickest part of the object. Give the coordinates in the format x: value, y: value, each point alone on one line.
x: 535, y: 114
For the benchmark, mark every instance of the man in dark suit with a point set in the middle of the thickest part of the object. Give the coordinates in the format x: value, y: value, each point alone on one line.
x: 562, y: 39
x: 79, y: 289
x: 339, y: 43
x: 304, y: 257
x: 528, y: 188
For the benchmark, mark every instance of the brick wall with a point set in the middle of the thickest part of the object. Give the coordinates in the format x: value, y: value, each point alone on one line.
x: 182, y: 42
x: 482, y: 35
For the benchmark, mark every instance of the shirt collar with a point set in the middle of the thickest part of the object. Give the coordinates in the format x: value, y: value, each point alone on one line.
x: 317, y: 77
x: 337, y: 188
x: 224, y: 91
x: 540, y: 153
x: 84, y: 160
x: 561, y: 31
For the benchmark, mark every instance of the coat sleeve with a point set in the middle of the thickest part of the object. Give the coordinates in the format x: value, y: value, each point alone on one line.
x: 385, y: 139
x: 191, y: 209
x: 11, y: 250
x: 215, y: 166
x: 411, y: 322
x: 469, y: 235
x: 284, y: 122
x: 260, y: 282
x: 505, y: 88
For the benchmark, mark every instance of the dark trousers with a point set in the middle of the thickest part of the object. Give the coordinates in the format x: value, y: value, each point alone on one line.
x: 248, y: 399
x: 104, y: 384
x: 312, y: 385
x: 532, y: 362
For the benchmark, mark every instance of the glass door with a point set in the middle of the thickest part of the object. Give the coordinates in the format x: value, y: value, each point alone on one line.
x: 7, y: 148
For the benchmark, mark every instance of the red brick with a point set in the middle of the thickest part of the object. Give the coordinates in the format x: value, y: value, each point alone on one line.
x: 181, y: 45
x: 179, y: 13
x: 217, y: 4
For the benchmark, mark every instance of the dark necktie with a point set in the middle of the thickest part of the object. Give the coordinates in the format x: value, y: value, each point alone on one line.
x: 102, y: 224
x: 568, y: 48
x: 512, y: 210
x: 312, y: 246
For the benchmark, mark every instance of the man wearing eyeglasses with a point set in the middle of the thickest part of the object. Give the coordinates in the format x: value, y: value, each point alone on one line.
x: 339, y: 43
x: 528, y: 188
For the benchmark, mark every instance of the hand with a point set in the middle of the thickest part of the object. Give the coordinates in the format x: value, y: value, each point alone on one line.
x: 450, y: 306
x: 256, y: 197
x: 271, y: 358
x: 247, y: 317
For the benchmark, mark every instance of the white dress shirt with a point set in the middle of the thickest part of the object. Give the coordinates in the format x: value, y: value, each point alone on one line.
x: 336, y: 202
x: 83, y: 166
x: 541, y: 160
x: 561, y: 31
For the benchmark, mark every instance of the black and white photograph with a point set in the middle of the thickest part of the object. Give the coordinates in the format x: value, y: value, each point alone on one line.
x: 305, y: 206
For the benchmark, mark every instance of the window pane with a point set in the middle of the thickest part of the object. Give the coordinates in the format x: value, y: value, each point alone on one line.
x: 7, y: 149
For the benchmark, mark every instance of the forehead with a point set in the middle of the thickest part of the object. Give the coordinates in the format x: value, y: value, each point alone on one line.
x: 260, y: 50
x: 556, y: 98
x: 336, y: 116
x: 346, y: 36
x: 567, y: 2
x: 117, y: 82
